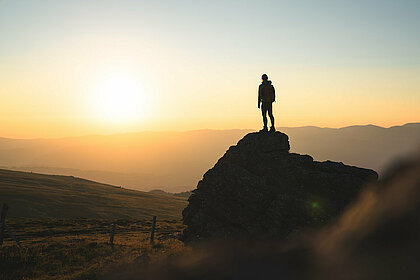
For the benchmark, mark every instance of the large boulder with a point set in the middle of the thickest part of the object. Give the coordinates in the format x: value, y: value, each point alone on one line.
x: 258, y: 190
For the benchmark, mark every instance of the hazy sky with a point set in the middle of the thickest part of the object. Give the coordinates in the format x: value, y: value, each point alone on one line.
x: 84, y: 67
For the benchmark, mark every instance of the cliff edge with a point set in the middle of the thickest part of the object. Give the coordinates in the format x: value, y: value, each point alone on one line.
x: 259, y: 190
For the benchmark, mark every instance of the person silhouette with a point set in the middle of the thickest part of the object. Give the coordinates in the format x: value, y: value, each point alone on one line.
x: 266, y: 97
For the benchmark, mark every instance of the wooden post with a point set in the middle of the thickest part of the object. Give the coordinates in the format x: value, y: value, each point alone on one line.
x: 13, y: 236
x: 3, y: 221
x: 3, y: 227
x: 152, y: 233
x: 111, y: 239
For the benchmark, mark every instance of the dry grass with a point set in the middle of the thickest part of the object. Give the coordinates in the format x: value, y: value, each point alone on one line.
x: 31, y: 195
x: 80, y: 249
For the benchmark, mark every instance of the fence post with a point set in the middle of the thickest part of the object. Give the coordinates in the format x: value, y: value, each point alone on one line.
x: 4, y: 227
x: 152, y: 233
x: 13, y: 236
x: 3, y: 221
x: 111, y: 239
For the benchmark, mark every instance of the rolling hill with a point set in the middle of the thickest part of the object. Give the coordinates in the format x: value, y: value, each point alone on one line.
x: 32, y: 195
x: 367, y: 146
x: 176, y: 161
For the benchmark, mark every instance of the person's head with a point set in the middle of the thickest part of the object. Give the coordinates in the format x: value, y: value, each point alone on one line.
x: 264, y: 77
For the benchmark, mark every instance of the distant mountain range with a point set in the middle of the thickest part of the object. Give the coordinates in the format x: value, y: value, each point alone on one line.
x: 366, y: 146
x: 176, y: 161
x: 32, y: 195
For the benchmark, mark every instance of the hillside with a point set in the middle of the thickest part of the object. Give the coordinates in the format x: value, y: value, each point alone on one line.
x: 173, y: 161
x: 176, y: 161
x: 367, y: 146
x: 32, y: 195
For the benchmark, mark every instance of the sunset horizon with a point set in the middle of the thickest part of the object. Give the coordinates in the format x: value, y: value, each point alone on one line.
x: 197, y: 139
x: 83, y: 68
x: 156, y: 130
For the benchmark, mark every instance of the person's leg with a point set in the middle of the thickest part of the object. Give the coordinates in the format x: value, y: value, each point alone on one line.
x: 264, y: 114
x: 270, y: 114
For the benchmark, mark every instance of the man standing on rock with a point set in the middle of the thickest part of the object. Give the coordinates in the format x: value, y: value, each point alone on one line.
x: 266, y: 96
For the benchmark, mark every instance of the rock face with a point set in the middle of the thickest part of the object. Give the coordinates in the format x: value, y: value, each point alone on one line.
x: 258, y: 190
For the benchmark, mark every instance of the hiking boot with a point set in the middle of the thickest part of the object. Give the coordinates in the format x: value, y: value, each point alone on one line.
x: 265, y: 129
x: 272, y: 129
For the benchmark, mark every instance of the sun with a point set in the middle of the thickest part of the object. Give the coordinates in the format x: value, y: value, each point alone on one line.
x: 118, y: 97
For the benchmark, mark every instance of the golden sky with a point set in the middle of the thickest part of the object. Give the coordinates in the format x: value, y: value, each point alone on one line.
x: 100, y: 67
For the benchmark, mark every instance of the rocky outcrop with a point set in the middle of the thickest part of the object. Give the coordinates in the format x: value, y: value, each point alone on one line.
x: 259, y: 190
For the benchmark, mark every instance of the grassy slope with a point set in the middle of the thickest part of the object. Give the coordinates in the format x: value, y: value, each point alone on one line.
x: 32, y: 195
x: 79, y: 249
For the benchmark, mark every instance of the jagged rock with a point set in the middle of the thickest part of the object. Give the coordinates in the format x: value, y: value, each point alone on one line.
x: 259, y: 190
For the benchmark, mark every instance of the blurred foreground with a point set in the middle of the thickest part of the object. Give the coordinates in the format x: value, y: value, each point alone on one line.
x: 377, y: 237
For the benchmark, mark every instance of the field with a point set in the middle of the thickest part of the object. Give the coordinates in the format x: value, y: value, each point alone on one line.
x: 40, y: 196
x: 80, y: 248
x: 64, y: 225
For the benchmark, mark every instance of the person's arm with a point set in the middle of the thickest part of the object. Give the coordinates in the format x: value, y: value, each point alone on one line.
x: 274, y: 92
x: 259, y: 96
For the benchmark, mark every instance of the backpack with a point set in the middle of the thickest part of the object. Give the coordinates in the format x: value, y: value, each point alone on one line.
x: 268, y: 93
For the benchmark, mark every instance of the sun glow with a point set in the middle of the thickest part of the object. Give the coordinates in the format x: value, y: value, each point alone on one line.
x: 118, y: 97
